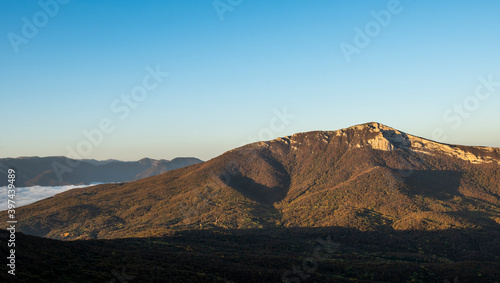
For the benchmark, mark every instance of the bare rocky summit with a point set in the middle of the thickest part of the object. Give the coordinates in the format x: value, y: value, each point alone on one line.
x: 389, y: 139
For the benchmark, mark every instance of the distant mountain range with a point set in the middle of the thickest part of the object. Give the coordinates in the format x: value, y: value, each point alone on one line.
x: 58, y: 170
x: 365, y: 177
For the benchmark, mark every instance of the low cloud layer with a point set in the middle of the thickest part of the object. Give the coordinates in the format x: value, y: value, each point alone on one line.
x: 28, y: 195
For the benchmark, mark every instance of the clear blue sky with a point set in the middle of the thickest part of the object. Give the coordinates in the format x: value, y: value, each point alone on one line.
x: 227, y: 76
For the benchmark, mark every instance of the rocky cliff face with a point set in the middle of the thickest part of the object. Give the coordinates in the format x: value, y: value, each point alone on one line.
x: 389, y: 139
x: 381, y: 137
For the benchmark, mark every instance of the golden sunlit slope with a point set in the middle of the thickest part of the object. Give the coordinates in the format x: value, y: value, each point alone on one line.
x: 365, y: 177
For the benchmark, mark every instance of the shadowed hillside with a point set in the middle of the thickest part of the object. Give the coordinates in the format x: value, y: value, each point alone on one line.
x: 265, y: 255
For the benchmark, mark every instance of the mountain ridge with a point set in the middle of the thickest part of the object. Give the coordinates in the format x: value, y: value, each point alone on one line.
x: 366, y: 177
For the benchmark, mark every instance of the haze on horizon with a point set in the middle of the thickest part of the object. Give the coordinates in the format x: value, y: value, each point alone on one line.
x: 258, y: 70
